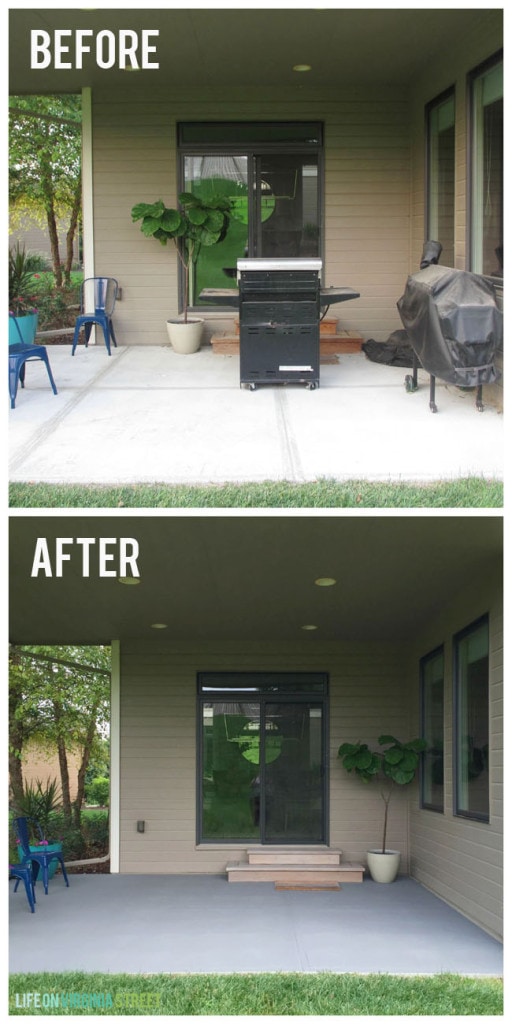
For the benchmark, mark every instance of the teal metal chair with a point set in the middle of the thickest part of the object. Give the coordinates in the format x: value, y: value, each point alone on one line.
x: 19, y: 355
x: 98, y: 294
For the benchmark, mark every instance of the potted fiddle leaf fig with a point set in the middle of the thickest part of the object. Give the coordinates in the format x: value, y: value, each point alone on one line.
x: 395, y: 765
x: 196, y: 223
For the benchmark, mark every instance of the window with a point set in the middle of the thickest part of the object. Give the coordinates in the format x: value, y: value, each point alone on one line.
x: 440, y: 227
x: 471, y: 721
x: 262, y: 775
x: 271, y: 172
x: 432, y: 730
x: 486, y: 92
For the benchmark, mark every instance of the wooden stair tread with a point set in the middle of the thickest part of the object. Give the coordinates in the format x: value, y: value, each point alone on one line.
x: 342, y: 341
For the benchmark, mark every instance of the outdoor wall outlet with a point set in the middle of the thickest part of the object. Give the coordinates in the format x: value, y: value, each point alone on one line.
x: 141, y: 826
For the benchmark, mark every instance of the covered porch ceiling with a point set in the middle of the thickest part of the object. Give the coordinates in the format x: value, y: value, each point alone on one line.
x: 250, y: 48
x: 247, y: 577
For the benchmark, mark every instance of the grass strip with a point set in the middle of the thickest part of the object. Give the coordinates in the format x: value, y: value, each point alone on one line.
x: 471, y: 492
x: 254, y: 994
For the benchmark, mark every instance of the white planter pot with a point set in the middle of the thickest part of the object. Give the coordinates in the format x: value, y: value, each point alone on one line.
x: 383, y: 867
x: 185, y: 337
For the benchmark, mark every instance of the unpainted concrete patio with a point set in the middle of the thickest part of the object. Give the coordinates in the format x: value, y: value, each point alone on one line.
x: 149, y: 415
x: 200, y: 924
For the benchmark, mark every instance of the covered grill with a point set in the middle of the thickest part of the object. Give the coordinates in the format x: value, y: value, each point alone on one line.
x: 455, y: 328
x: 280, y: 303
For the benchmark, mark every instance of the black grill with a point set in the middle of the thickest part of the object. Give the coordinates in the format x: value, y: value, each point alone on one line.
x: 280, y: 303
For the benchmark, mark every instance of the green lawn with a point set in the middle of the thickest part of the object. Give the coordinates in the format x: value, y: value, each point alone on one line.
x: 472, y: 492
x: 255, y: 995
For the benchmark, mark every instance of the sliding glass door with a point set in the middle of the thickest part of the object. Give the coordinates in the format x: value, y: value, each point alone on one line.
x: 262, y: 763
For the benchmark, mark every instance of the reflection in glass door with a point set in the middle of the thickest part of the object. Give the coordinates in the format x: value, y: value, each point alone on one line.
x: 263, y: 770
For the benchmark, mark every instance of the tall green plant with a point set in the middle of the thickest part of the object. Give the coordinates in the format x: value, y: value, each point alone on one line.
x: 199, y: 222
x: 39, y: 801
x: 396, y: 765
x: 21, y: 283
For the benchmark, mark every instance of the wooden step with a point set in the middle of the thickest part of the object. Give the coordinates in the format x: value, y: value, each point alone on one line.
x: 330, y: 344
x: 264, y: 855
x: 293, y: 874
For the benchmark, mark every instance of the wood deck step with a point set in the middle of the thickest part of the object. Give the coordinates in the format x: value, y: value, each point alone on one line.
x: 293, y: 874
x: 330, y: 344
x: 264, y: 855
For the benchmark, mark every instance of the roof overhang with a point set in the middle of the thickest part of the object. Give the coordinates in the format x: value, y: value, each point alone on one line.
x: 248, y: 577
x: 241, y: 49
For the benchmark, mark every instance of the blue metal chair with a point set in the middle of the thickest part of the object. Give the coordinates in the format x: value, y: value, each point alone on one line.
x: 19, y: 354
x: 100, y: 293
x: 37, y: 858
x: 24, y: 873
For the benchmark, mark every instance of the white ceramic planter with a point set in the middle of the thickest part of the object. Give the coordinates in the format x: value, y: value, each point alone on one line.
x: 185, y: 338
x: 383, y: 867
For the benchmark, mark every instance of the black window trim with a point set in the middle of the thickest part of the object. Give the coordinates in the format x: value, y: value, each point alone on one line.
x: 460, y: 635
x: 434, y: 653
x: 429, y: 107
x: 480, y: 69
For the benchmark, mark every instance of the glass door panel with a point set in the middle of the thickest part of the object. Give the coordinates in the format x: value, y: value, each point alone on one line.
x: 293, y: 774
x: 230, y: 771
x: 219, y: 174
x: 286, y: 205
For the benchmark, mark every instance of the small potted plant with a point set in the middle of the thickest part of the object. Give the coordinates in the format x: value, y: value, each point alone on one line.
x: 198, y: 222
x: 396, y: 765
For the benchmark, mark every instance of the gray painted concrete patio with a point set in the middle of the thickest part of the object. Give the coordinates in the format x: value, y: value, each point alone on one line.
x: 201, y: 924
x: 148, y: 415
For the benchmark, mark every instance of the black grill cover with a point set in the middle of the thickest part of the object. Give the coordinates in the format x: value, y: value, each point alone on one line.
x: 454, y: 324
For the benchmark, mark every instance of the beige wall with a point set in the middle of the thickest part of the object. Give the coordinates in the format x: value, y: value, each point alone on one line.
x: 158, y: 745
x: 459, y: 859
x: 367, y: 178
x: 43, y: 765
x: 374, y: 187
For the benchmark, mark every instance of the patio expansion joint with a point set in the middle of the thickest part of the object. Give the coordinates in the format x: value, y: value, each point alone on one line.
x: 292, y: 466
x: 51, y: 426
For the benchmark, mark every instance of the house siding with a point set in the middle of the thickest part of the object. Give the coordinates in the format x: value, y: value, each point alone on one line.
x: 158, y: 746
x: 366, y: 184
x: 458, y: 859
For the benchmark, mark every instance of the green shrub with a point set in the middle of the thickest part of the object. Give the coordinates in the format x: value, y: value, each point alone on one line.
x: 98, y: 791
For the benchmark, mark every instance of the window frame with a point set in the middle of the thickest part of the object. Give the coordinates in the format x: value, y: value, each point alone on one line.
x: 436, y: 102
x: 458, y: 637
x: 263, y: 696
x: 424, y: 661
x: 477, y: 72
x: 251, y: 150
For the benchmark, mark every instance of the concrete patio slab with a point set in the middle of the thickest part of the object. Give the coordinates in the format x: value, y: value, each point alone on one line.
x: 148, y: 415
x: 199, y: 924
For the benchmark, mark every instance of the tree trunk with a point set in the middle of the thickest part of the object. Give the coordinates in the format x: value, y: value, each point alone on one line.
x: 49, y: 205
x: 63, y: 761
x: 89, y: 739
x: 70, y: 236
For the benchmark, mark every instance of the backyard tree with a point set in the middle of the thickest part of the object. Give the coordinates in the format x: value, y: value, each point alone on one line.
x: 45, y: 168
x: 61, y: 696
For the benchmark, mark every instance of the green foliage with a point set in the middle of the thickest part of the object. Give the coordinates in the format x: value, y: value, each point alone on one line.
x: 22, y: 266
x: 39, y: 801
x: 200, y: 221
x: 396, y: 764
x: 97, y: 792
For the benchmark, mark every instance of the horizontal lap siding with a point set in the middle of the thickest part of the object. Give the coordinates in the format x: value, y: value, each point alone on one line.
x: 461, y: 860
x: 158, y: 741
x: 367, y: 200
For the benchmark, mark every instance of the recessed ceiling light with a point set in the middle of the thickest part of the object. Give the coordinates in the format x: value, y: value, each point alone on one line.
x: 302, y: 67
x: 325, y: 581
x: 158, y: 625
x: 129, y: 581
x: 309, y: 627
